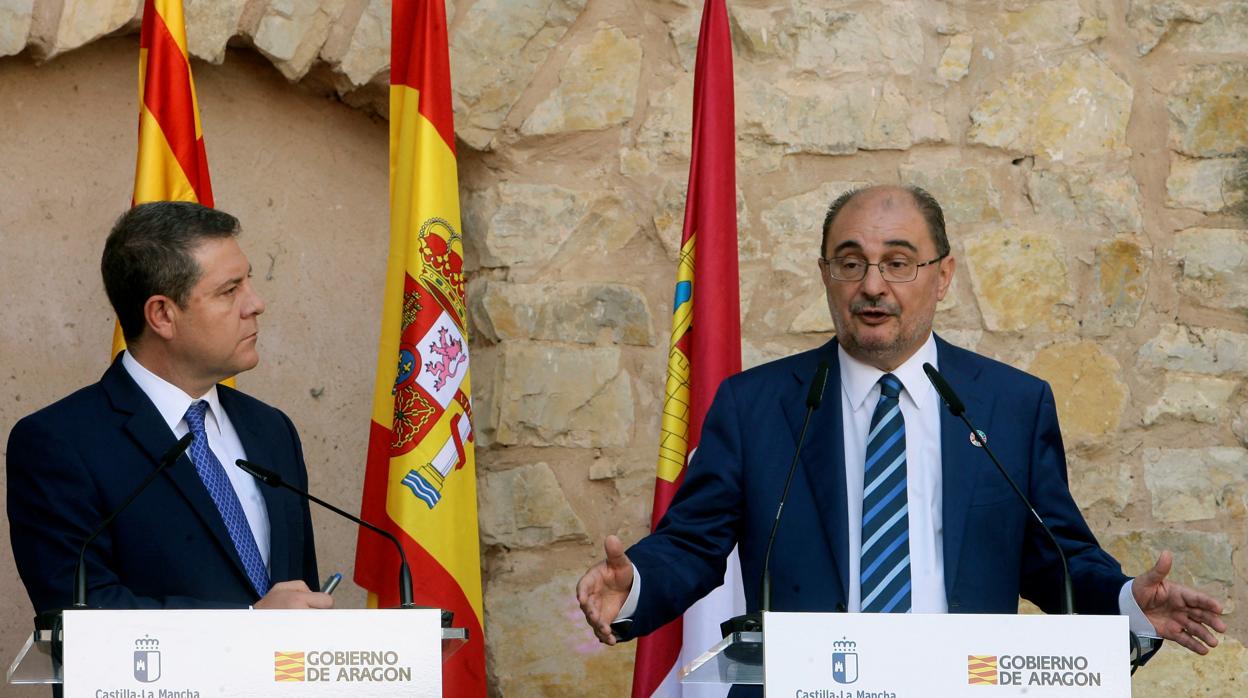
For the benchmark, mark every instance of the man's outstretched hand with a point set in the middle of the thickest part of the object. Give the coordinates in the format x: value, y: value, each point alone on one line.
x: 1179, y: 613
x: 604, y: 589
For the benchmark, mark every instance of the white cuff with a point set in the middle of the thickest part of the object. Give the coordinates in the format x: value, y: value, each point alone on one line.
x: 634, y: 595
x: 1128, y: 607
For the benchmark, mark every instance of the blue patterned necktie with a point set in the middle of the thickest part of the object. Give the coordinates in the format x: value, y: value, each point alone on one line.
x: 223, y: 495
x: 885, y: 570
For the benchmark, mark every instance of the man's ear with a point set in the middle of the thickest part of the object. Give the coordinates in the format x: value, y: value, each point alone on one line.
x: 160, y: 313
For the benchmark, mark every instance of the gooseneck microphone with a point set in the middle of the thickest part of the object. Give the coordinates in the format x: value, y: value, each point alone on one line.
x: 752, y: 652
x: 80, y: 571
x: 272, y: 479
x: 813, y: 399
x: 959, y: 410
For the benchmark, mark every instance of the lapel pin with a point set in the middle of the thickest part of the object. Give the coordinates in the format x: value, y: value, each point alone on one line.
x: 978, y: 438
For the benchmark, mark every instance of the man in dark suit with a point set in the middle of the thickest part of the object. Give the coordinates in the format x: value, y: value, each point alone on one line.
x: 203, y: 535
x: 895, y: 508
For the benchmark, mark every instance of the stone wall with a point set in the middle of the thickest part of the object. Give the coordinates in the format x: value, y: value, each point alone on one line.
x: 1092, y: 156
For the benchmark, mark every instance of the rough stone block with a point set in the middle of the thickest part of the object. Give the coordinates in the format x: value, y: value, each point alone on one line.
x: 524, y: 507
x: 496, y: 50
x: 597, y: 87
x: 368, y: 52
x: 1101, y: 197
x: 583, y: 313
x: 1094, y: 483
x: 1020, y: 281
x: 291, y: 33
x: 1215, y: 266
x: 530, y: 222
x: 668, y: 127
x: 1153, y: 19
x: 210, y: 24
x: 1077, y: 110
x: 83, y: 21
x: 828, y: 42
x: 806, y: 117
x: 955, y: 62
x: 1208, y: 350
x: 1200, y: 559
x: 1224, y: 31
x: 1207, y: 113
x: 555, y: 396
x: 815, y: 316
x: 1194, y: 484
x: 15, y: 21
x: 965, y: 192
x: 1208, y: 185
x: 1043, y: 26
x: 1121, y: 270
x: 1086, y: 385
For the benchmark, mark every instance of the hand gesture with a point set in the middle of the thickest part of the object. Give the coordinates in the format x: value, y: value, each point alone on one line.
x: 1179, y: 613
x: 604, y: 588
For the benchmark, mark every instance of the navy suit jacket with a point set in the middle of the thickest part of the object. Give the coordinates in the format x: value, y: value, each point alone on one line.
x: 993, y: 551
x: 74, y: 462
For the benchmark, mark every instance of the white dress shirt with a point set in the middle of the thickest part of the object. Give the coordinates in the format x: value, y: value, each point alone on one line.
x: 172, y: 404
x: 920, y: 408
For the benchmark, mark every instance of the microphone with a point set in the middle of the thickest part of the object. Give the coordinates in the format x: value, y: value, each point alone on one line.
x: 80, y: 571
x: 272, y: 479
x: 959, y: 410
x: 751, y: 653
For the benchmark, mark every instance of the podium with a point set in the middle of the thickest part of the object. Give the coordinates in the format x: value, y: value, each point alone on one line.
x: 843, y: 655
x: 242, y: 653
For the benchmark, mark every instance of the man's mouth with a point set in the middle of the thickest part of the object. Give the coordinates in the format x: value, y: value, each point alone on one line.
x: 872, y: 314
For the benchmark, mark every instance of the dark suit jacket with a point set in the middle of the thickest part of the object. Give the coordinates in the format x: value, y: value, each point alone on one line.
x: 73, y: 462
x: 993, y: 552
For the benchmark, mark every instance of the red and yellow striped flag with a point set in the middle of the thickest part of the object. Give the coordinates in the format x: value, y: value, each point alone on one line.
x: 421, y: 480
x: 172, y: 165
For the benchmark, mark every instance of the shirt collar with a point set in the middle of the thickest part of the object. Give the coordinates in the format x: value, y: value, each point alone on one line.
x: 859, y: 379
x: 170, y: 401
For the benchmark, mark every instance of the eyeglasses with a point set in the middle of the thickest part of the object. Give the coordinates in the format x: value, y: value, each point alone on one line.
x: 898, y: 270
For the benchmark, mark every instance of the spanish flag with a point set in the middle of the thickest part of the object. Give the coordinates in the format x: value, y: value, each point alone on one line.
x: 705, y: 346
x: 172, y: 165
x: 421, y: 480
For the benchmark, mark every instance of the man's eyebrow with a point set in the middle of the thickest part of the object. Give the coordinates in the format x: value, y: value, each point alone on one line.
x: 901, y: 243
x: 234, y: 280
x: 847, y: 245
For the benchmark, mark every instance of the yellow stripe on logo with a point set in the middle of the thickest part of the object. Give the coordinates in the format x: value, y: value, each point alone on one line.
x: 981, y: 670
x: 288, y: 666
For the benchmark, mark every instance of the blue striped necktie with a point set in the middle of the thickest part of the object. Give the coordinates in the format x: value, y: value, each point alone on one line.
x: 885, y: 570
x: 226, y: 499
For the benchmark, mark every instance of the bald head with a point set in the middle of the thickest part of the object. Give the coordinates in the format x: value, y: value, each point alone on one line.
x: 888, y: 198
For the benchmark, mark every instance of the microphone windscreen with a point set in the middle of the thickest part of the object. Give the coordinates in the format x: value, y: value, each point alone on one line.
x: 815, y: 396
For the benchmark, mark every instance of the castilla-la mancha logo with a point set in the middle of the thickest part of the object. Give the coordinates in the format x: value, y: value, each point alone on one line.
x: 147, y: 659
x: 845, y: 661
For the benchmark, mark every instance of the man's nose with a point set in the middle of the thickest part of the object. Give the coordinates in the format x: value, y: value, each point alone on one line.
x: 255, y: 303
x: 873, y: 284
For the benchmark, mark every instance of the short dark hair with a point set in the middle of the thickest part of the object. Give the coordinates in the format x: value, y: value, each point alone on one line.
x: 149, y: 252
x: 928, y: 207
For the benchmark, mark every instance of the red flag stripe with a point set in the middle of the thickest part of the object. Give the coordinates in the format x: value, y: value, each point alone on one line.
x: 424, y: 66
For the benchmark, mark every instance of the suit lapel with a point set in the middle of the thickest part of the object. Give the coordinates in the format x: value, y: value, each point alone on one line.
x: 276, y: 502
x: 823, y: 455
x: 959, y: 458
x: 150, y: 431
